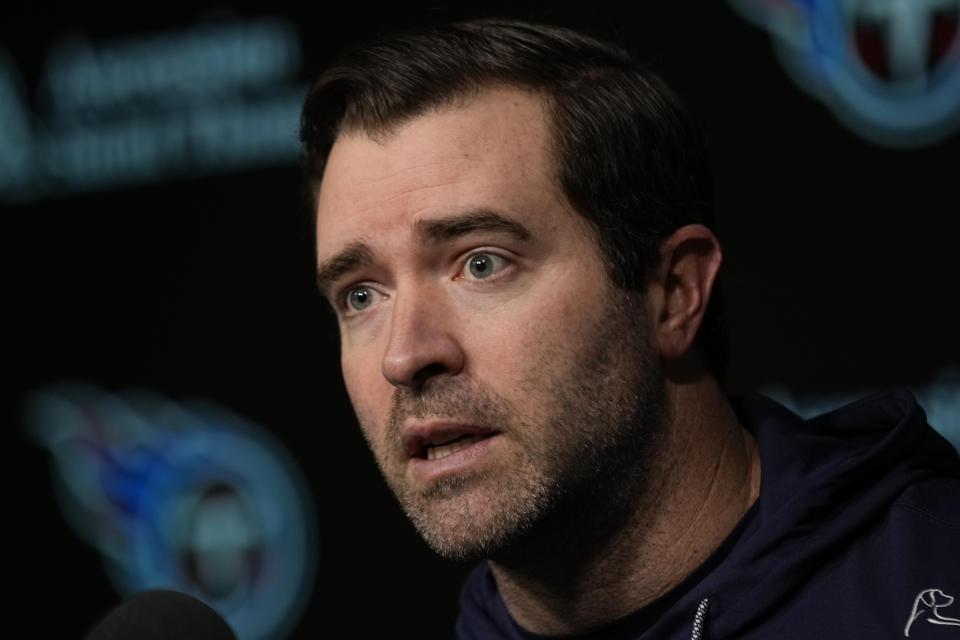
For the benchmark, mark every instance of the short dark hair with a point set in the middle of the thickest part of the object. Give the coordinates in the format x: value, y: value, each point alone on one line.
x: 627, y: 156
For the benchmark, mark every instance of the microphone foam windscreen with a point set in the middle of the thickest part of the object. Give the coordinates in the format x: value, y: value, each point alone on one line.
x: 161, y: 614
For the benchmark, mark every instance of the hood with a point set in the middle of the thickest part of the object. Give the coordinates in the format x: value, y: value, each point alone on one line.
x: 823, y: 480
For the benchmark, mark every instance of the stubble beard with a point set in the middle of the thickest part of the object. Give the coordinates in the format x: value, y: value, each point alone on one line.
x: 575, y: 472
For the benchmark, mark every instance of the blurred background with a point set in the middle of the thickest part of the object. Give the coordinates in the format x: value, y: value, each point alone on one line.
x: 174, y: 406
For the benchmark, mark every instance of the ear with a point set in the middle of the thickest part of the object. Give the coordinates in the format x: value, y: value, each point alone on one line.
x: 680, y: 290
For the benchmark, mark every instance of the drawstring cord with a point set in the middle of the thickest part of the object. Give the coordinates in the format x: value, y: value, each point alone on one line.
x: 699, y: 618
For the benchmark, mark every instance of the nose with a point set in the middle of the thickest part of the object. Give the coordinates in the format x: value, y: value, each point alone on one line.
x: 421, y: 345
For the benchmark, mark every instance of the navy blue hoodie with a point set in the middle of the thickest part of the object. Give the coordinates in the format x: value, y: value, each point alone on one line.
x: 855, y: 534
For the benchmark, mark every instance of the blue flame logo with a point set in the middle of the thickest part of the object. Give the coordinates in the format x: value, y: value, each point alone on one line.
x: 889, y: 69
x: 184, y: 496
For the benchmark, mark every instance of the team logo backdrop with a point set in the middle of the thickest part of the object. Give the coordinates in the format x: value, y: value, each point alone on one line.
x: 889, y: 69
x: 185, y: 496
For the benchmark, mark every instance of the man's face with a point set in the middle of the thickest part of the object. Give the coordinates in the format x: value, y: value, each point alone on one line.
x: 494, y: 368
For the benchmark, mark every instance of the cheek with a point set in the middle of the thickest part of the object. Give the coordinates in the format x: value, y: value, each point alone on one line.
x: 537, y: 339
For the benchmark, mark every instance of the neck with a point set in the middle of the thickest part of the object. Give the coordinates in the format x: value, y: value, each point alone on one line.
x: 704, y: 478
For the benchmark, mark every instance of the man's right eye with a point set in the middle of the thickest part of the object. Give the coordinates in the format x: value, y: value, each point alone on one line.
x: 360, y: 297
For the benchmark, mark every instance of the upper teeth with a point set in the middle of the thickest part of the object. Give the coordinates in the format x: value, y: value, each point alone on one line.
x: 442, y: 451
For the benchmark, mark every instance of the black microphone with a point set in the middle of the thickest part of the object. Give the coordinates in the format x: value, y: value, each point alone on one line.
x: 161, y: 614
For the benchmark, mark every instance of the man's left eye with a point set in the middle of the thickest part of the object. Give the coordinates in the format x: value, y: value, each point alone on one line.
x: 483, y: 265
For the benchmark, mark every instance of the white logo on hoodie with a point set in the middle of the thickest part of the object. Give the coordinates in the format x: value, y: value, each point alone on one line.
x: 928, y: 603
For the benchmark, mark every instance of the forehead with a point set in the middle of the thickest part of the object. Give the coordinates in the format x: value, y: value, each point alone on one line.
x: 491, y: 152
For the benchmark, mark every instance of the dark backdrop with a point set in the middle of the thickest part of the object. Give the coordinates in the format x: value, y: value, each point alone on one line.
x: 840, y: 271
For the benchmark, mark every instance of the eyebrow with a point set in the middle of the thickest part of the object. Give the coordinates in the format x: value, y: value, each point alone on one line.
x: 442, y: 229
x: 358, y: 253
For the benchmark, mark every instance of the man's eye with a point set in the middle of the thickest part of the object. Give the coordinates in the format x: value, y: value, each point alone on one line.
x: 483, y: 265
x: 360, y: 297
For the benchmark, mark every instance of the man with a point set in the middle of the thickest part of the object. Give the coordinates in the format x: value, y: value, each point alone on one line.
x: 513, y: 227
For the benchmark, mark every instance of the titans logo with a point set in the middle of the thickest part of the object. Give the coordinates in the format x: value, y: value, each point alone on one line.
x: 184, y: 496
x: 889, y: 69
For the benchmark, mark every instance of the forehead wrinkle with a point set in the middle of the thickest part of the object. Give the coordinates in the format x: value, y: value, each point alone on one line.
x: 402, y: 193
x: 365, y: 201
x: 437, y: 165
x: 396, y: 203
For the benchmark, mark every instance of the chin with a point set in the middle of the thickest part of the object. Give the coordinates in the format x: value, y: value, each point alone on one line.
x: 466, y: 525
x: 471, y: 543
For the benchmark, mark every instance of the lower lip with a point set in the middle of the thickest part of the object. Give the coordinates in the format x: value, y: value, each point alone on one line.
x: 424, y: 470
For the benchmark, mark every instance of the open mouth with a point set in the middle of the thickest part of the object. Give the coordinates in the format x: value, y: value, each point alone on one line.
x: 441, y: 439
x: 437, y: 451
